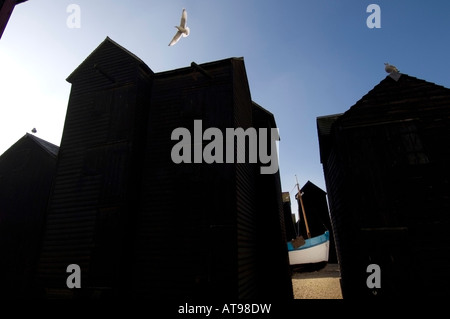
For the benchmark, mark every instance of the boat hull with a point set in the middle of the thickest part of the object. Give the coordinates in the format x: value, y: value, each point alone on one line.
x: 315, y: 250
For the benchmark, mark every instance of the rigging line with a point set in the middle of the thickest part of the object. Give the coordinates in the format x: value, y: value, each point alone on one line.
x: 293, y: 188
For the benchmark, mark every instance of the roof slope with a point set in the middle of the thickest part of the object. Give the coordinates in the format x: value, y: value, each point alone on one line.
x: 106, y: 53
x: 408, y: 98
x: 48, y: 147
x: 390, y: 100
x: 52, y: 149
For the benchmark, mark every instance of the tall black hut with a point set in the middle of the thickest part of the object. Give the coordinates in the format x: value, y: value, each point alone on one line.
x: 27, y: 170
x: 137, y: 223
x: 386, y: 164
x: 317, y: 214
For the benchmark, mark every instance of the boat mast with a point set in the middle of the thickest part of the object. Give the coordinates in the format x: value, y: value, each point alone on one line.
x: 299, y: 198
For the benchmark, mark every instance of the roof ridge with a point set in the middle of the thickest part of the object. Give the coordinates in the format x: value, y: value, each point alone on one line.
x: 386, y: 81
x: 51, y: 148
x: 123, y: 48
x: 109, y: 40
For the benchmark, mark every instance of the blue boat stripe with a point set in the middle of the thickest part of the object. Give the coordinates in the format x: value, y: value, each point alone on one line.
x: 311, y: 242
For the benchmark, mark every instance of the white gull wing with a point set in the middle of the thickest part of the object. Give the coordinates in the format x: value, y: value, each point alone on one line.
x: 182, y: 29
x: 183, y: 19
x: 175, y: 38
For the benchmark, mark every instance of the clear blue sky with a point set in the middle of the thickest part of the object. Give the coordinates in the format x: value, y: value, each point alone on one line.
x: 303, y: 58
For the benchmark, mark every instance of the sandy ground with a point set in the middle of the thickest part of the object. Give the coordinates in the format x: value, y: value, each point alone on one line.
x: 321, y: 284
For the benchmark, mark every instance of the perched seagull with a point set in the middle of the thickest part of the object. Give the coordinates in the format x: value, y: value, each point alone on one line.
x: 390, y: 68
x: 183, y: 30
x: 394, y: 73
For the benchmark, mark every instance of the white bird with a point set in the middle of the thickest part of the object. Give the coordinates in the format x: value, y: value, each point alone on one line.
x: 390, y: 68
x: 183, y: 30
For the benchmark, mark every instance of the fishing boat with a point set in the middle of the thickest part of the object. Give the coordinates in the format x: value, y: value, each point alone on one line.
x: 313, y: 250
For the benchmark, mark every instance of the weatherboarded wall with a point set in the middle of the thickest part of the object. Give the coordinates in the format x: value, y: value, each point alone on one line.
x: 138, y: 224
x: 27, y: 170
x: 386, y: 167
x: 92, y: 204
x: 274, y: 272
x: 197, y: 234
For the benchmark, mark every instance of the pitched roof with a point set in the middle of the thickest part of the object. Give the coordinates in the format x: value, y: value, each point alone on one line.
x: 392, y: 100
x: 408, y: 98
x: 47, y: 147
x: 106, y: 42
x: 52, y: 149
x: 312, y: 187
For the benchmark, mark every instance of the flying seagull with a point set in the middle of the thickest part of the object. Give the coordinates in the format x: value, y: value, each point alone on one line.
x: 183, y: 30
x: 390, y: 68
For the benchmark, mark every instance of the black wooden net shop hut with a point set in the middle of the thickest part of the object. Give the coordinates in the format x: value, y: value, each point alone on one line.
x: 386, y: 165
x: 140, y: 225
x: 27, y: 170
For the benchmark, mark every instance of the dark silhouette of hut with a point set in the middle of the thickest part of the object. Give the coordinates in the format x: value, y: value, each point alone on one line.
x: 140, y: 225
x: 94, y: 201
x: 289, y: 217
x: 6, y: 9
x: 317, y: 214
x: 27, y: 169
x: 388, y: 182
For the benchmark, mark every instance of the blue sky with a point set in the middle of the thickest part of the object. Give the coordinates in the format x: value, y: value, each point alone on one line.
x: 303, y: 58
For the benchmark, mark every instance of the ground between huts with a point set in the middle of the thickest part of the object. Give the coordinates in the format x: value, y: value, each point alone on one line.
x: 317, y: 284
